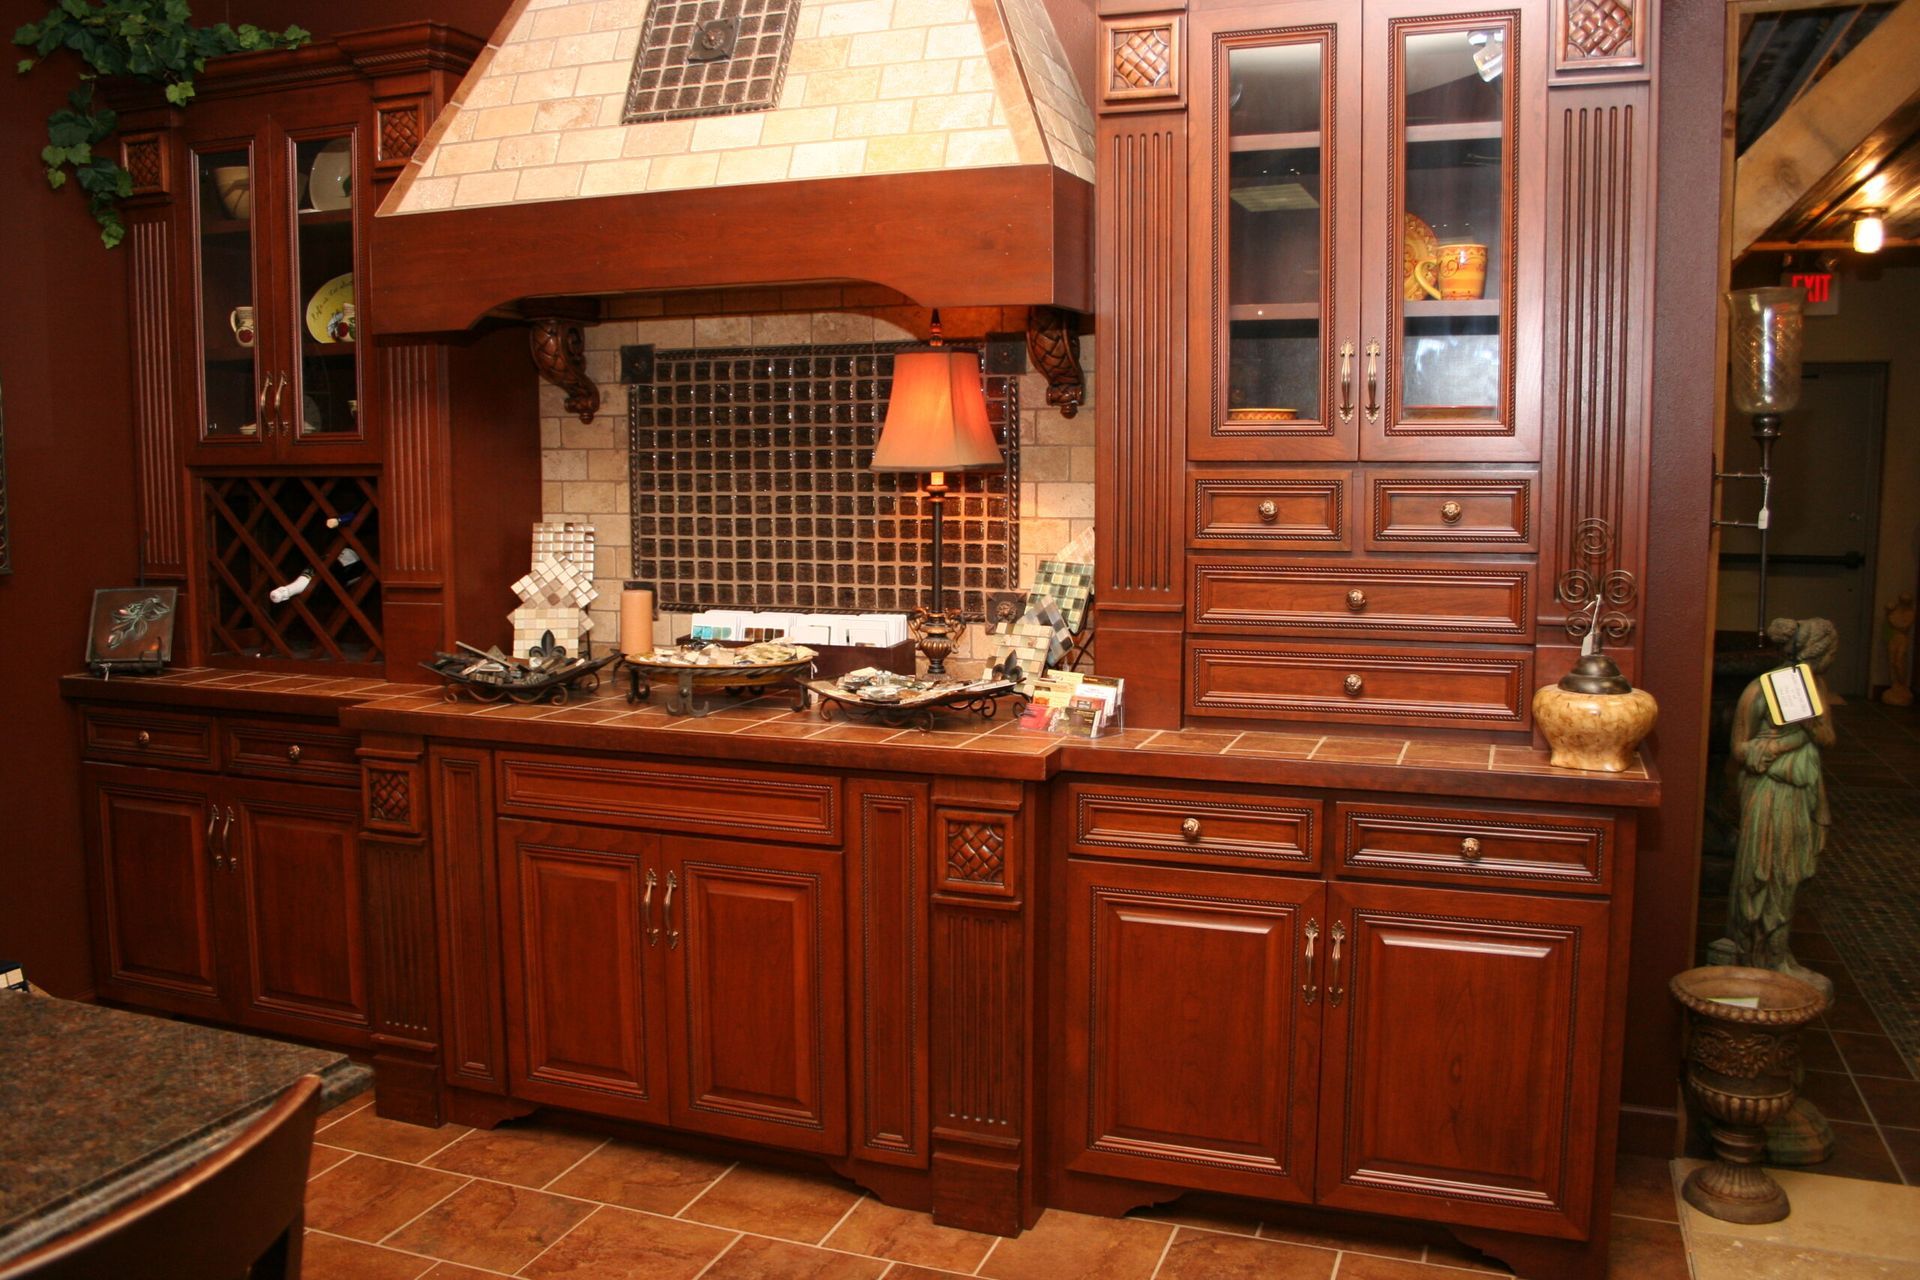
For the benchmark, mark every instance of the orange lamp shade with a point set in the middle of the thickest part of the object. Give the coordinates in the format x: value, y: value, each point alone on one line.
x: 937, y: 416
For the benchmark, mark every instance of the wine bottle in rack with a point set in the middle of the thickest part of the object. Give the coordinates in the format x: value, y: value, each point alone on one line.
x: 348, y: 567
x: 282, y: 594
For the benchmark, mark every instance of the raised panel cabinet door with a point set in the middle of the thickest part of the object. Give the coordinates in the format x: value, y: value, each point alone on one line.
x: 756, y: 953
x: 582, y: 936
x: 294, y: 858
x: 155, y: 878
x: 1461, y: 1072
x: 1192, y: 1027
x: 1274, y: 291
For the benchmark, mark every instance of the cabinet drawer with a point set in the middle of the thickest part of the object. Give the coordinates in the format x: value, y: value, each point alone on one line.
x: 1439, y: 602
x: 149, y: 737
x: 1201, y: 828
x: 1422, y: 511
x: 699, y: 799
x: 1364, y: 684
x: 308, y: 752
x: 1556, y: 850
x: 1303, y: 510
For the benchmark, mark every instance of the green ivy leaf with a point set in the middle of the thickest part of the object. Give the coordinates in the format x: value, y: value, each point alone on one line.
x: 179, y: 91
x: 24, y: 65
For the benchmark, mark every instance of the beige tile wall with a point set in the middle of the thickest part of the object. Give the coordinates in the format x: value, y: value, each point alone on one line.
x: 584, y: 465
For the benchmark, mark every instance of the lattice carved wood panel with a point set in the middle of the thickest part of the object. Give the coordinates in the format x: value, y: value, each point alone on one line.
x: 1599, y: 36
x: 1143, y: 60
x: 751, y: 487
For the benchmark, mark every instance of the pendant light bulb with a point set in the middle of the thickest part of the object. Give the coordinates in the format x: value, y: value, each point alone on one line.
x: 1869, y: 231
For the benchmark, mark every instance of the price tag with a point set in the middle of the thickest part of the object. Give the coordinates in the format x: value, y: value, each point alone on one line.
x: 1792, y: 694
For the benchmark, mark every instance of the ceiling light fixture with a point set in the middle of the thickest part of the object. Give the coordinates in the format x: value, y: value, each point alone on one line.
x: 1869, y: 230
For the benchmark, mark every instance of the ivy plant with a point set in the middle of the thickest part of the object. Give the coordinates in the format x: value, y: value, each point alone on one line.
x: 153, y: 41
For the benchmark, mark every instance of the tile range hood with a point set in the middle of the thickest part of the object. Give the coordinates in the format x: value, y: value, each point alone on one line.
x: 940, y: 148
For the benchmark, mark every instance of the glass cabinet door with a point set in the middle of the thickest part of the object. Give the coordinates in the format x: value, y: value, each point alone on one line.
x: 323, y: 321
x: 1277, y: 226
x: 234, y: 394
x: 1449, y: 152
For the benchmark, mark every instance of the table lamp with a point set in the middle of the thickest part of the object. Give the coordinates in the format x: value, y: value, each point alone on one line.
x: 936, y: 422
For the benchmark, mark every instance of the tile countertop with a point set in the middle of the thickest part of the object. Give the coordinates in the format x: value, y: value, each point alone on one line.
x: 768, y: 730
x: 102, y: 1105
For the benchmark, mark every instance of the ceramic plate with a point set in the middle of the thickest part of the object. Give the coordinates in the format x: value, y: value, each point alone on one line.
x: 330, y: 181
x: 1419, y: 244
x: 327, y: 309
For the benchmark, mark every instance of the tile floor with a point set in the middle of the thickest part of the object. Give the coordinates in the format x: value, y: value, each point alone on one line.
x: 391, y: 1201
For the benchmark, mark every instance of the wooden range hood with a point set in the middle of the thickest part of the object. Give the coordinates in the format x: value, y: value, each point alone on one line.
x: 1008, y: 235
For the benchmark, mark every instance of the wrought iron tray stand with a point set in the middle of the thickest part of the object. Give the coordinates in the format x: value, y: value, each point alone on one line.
x: 555, y: 687
x: 687, y: 681
x: 917, y: 712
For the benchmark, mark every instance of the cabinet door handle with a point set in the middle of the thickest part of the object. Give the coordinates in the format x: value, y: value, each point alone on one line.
x: 1190, y: 830
x: 646, y: 910
x: 1373, y: 379
x: 1309, y: 989
x: 279, y: 394
x: 225, y: 846
x: 1346, y: 382
x: 1336, y: 992
x: 673, y: 934
x: 1353, y: 684
x: 1356, y: 600
x: 213, y: 820
x: 1470, y: 849
x: 266, y: 423
x: 1451, y: 511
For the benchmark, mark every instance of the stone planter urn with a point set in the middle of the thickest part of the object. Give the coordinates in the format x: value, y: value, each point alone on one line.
x: 1741, y: 1060
x: 1593, y: 719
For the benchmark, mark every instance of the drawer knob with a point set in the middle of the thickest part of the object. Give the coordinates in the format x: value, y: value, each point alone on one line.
x: 1470, y: 849
x: 1354, y: 684
x: 1356, y: 600
x: 293, y: 753
x: 1269, y: 511
x: 142, y: 738
x: 1451, y: 511
x: 1190, y: 830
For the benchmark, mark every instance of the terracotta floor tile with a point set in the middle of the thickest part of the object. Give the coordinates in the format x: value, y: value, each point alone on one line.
x: 1818, y: 1051
x: 637, y: 1177
x: 754, y: 1258
x: 907, y: 1236
x: 1361, y: 750
x: 1206, y: 1255
x: 1853, y: 1015
x: 1870, y: 1055
x: 454, y: 1271
x: 774, y: 1202
x: 373, y: 1135
x: 1834, y: 1094
x: 1895, y: 1103
x: 368, y: 1198
x: 1858, y: 1152
x: 619, y: 1244
x: 527, y: 1156
x: 1448, y: 1252
x: 325, y: 1257
x: 1643, y: 1188
x: 1380, y: 1237
x: 1647, y: 1251
x: 487, y: 1225
x: 1073, y: 1246
x: 1362, y: 1266
x: 1724, y: 1258
x: 1198, y: 1210
x: 920, y: 1273
x: 345, y: 1109
x: 323, y: 1159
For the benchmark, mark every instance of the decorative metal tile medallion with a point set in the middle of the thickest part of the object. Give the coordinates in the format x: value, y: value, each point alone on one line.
x: 751, y: 487
x: 710, y: 58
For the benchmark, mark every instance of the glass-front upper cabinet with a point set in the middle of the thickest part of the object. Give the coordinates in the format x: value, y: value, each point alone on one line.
x: 322, y: 304
x: 1271, y: 225
x: 1443, y: 309
x: 228, y: 368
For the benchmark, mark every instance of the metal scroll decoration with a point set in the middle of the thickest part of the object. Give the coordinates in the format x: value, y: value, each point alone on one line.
x: 6, y: 543
x: 1589, y: 580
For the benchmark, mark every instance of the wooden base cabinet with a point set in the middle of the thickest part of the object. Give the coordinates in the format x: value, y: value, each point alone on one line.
x: 685, y: 982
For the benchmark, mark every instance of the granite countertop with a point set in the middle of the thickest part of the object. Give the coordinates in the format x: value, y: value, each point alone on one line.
x: 101, y: 1105
x: 768, y: 730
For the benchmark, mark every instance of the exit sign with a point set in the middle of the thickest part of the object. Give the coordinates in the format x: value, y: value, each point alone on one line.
x: 1822, y: 289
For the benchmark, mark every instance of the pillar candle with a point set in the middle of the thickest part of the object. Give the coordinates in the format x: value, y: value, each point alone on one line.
x: 636, y: 618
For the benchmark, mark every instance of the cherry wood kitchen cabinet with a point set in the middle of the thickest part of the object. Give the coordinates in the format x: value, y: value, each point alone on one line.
x: 219, y: 888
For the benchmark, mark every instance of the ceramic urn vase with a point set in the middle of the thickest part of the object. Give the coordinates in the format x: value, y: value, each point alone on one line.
x: 1593, y: 718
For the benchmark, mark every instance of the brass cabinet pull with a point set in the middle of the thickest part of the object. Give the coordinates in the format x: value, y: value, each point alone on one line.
x: 260, y: 409
x: 1269, y: 511
x: 213, y: 820
x: 142, y: 738
x: 226, y: 845
x: 1309, y: 989
x: 1451, y: 511
x: 1356, y: 600
x: 293, y: 753
x: 1354, y: 684
x: 673, y: 934
x: 279, y: 394
x: 1470, y: 849
x: 646, y: 910
x: 1190, y: 830
x: 1346, y: 382
x: 1334, y: 990
x: 1373, y: 379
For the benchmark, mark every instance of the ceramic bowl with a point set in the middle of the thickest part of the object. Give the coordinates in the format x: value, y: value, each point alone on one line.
x: 236, y: 191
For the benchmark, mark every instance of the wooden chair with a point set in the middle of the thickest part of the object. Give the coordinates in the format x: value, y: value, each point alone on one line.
x: 238, y: 1213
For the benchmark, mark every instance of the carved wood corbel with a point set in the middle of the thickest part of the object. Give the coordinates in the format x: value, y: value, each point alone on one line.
x: 559, y: 353
x: 1053, y: 343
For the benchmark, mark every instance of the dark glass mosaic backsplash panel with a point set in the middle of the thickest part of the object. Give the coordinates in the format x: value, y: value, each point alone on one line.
x: 751, y: 488
x: 710, y: 58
